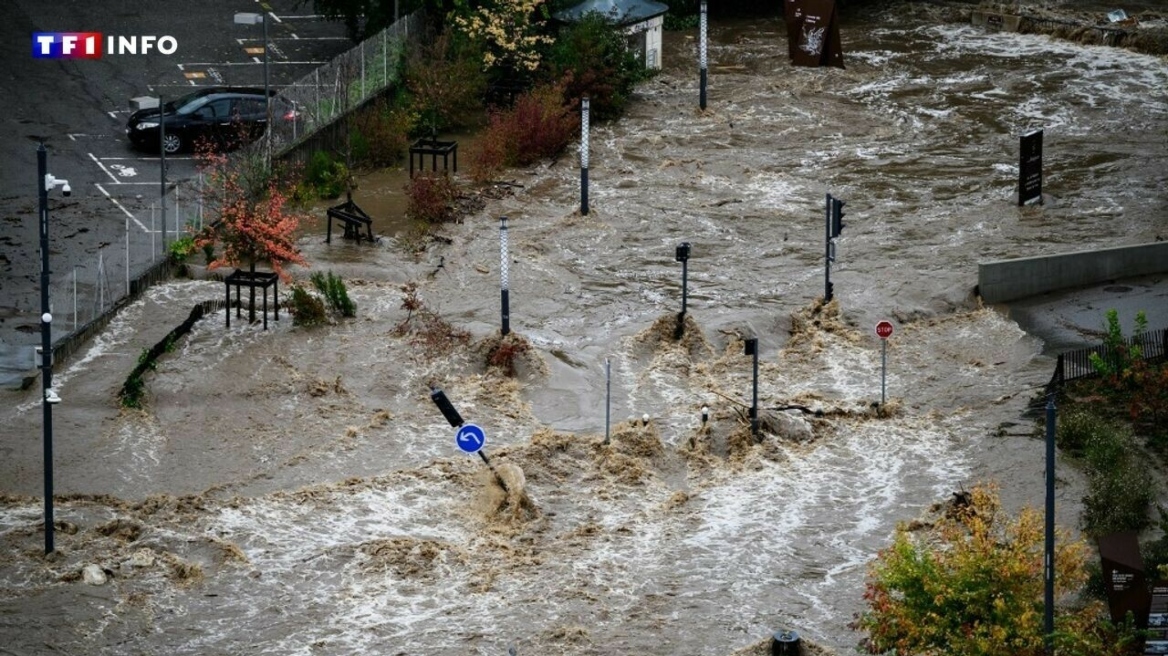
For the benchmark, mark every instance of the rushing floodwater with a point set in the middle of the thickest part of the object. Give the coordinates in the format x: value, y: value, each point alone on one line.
x: 331, y: 514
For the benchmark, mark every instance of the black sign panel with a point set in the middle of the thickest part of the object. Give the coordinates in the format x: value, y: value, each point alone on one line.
x: 1030, y: 169
x: 813, y: 33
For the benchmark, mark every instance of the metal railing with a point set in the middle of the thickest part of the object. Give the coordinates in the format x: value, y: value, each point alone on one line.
x: 1152, y: 346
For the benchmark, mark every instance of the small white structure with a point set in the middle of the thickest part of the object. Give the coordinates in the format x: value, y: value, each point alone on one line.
x: 641, y: 19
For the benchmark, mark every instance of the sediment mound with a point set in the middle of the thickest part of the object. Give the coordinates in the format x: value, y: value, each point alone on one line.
x: 662, y: 336
x: 512, y: 355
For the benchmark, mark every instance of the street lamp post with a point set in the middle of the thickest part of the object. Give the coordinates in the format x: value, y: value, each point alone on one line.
x: 250, y: 18
x: 49, y: 397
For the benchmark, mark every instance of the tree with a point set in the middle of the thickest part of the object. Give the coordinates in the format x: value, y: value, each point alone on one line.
x: 510, y: 31
x: 973, y: 586
x: 251, y: 222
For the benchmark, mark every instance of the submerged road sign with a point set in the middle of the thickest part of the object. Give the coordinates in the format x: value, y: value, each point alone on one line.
x: 470, y: 438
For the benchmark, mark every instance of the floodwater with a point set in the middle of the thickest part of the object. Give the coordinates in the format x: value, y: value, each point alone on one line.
x: 295, y: 492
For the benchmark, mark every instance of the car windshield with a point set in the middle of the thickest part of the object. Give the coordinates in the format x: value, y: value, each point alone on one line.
x: 187, y: 103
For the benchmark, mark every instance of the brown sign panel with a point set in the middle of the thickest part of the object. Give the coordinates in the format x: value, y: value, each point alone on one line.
x: 1123, y: 577
x: 813, y: 33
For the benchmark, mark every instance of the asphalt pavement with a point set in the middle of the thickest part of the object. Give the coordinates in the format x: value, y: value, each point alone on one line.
x: 79, y: 107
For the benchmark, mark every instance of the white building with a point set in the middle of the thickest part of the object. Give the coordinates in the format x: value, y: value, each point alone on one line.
x: 641, y: 19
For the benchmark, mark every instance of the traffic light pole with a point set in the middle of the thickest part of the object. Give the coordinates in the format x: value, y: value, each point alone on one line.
x: 827, y: 287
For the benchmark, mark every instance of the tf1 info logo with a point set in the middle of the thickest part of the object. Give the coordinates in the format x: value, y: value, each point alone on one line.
x: 89, y: 45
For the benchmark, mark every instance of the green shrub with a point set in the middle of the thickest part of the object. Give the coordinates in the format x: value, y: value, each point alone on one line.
x: 381, y: 134
x: 306, y: 309
x: 334, y: 291
x: 1120, y: 488
x: 180, y: 249
x: 326, y: 177
x: 591, y: 59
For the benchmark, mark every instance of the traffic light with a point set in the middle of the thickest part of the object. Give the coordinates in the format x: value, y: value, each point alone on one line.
x: 837, y: 217
x: 447, y: 408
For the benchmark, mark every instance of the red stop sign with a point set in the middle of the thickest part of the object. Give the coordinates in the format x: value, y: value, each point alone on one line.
x: 884, y: 329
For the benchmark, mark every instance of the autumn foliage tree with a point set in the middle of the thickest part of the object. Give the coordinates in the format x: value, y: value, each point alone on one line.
x: 251, y: 222
x: 972, y: 585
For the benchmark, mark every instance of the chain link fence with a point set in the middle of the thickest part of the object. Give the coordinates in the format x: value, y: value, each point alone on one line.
x: 318, y: 99
x: 84, y: 298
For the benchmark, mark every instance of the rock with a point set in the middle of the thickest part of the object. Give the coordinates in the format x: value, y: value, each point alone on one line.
x: 787, y: 427
x: 93, y: 574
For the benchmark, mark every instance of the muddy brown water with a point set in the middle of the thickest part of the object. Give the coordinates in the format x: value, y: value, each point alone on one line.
x: 296, y: 492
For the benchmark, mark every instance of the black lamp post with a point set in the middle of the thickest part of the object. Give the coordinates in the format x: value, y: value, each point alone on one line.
x: 48, y: 395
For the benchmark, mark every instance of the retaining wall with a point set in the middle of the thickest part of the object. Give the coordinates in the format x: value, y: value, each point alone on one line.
x: 1008, y: 280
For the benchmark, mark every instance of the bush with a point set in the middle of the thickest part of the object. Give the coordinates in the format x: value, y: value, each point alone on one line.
x: 591, y: 59
x: 430, y: 197
x: 1120, y: 488
x: 381, y: 134
x: 334, y: 291
x: 306, y: 309
x: 325, y: 177
x: 539, y: 125
x: 179, y: 250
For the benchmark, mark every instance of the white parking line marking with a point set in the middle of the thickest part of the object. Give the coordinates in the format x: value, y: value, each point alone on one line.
x: 275, y: 17
x: 292, y: 16
x: 295, y: 37
x: 120, y: 206
x: 103, y: 168
x: 257, y: 60
x: 113, y: 116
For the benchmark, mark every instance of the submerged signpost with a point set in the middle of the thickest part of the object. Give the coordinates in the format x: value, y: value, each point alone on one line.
x: 469, y: 438
x: 1030, y: 168
x: 883, y: 331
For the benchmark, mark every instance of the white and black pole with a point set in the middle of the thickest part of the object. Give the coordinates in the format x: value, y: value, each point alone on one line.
x: 504, y: 271
x: 751, y: 348
x: 584, y: 110
x: 702, y: 55
x: 607, y: 398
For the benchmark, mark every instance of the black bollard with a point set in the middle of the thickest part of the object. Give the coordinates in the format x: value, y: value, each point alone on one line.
x: 785, y: 643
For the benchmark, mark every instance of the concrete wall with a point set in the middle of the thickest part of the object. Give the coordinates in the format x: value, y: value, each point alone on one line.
x: 1008, y: 280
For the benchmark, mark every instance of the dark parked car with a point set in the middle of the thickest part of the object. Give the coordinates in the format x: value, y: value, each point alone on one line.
x: 221, y: 117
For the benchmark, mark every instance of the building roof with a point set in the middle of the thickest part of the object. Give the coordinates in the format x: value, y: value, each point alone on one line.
x: 622, y: 12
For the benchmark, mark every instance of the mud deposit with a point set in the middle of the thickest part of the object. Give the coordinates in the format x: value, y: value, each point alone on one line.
x: 295, y: 491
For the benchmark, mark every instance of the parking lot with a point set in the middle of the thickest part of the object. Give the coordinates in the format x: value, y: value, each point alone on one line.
x: 79, y: 108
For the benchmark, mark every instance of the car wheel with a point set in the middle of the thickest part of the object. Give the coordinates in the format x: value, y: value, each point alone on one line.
x: 172, y: 143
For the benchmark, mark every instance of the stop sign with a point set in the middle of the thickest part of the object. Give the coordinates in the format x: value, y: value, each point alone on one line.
x: 884, y: 329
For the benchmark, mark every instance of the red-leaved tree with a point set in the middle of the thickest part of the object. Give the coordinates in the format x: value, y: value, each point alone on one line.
x: 251, y: 220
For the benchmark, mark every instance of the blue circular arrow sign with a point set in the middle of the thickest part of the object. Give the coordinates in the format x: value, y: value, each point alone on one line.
x: 470, y: 438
